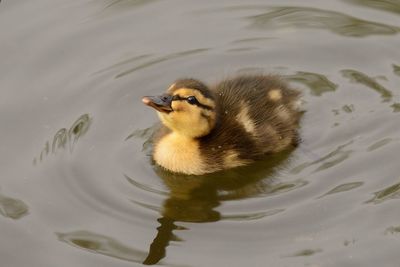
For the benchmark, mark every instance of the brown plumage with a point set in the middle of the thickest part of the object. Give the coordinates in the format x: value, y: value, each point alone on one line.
x: 234, y: 123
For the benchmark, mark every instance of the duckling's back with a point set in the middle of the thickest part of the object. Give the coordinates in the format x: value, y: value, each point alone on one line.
x: 256, y: 115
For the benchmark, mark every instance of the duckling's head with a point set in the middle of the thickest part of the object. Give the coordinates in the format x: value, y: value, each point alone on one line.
x: 187, y: 108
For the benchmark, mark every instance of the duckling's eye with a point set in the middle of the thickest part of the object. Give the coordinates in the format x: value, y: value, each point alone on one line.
x: 192, y: 100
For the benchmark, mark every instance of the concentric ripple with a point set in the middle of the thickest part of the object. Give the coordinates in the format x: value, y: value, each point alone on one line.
x: 73, y: 74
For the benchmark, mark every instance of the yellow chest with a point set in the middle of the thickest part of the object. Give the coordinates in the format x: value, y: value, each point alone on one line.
x: 179, y: 154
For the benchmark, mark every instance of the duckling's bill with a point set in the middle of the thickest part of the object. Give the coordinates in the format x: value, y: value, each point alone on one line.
x: 161, y: 103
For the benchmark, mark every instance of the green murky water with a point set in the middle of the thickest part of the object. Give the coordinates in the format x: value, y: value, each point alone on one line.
x: 77, y: 185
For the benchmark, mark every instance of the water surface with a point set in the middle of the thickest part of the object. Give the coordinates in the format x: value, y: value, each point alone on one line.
x: 77, y: 185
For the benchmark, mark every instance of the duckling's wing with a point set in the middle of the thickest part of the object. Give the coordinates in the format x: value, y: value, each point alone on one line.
x: 264, y: 107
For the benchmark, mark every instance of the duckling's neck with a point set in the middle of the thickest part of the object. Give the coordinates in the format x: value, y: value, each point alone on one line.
x: 179, y: 153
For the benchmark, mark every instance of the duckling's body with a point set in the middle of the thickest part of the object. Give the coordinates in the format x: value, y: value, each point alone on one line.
x: 232, y: 124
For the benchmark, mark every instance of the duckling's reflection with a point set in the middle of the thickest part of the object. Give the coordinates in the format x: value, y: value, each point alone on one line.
x: 194, y: 198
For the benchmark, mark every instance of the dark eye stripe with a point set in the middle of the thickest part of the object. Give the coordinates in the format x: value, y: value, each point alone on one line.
x: 179, y: 98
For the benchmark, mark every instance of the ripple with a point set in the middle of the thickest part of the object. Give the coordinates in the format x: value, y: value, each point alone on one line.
x: 389, y: 193
x: 122, y: 63
x: 331, y: 159
x: 386, y: 5
x: 161, y: 59
x: 314, y: 18
x: 396, y: 69
x: 248, y: 70
x: 251, y: 216
x: 59, y: 140
x: 79, y: 128
x: 284, y: 187
x: 242, y: 49
x: 146, y: 133
x: 123, y: 4
x: 340, y: 156
x: 347, y: 243
x: 348, y: 108
x: 64, y: 137
x: 343, y: 188
x: 101, y: 244
x: 396, y: 107
x: 117, y: 6
x: 392, y: 230
x: 253, y: 40
x: 317, y: 83
x: 361, y: 78
x: 12, y: 208
x: 145, y: 187
x: 147, y: 206
x: 305, y: 253
x: 379, y: 144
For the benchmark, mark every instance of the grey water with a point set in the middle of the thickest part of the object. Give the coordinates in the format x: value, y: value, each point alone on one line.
x: 77, y: 184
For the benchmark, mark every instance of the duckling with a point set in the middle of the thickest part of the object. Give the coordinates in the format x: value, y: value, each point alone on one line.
x: 234, y: 123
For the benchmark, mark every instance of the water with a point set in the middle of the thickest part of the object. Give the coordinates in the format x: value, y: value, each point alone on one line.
x: 78, y: 188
